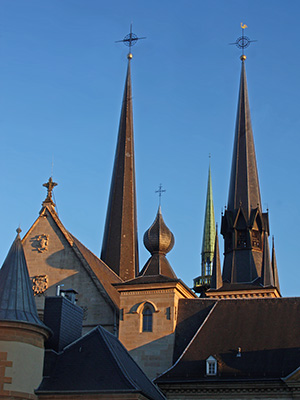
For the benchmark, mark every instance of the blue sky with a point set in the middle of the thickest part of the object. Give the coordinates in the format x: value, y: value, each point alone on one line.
x: 61, y: 83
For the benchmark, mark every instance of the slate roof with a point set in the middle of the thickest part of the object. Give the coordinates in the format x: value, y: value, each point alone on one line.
x: 266, y: 330
x: 16, y: 294
x: 97, y: 363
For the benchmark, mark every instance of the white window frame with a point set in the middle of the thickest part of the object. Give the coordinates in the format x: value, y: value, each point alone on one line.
x: 211, y: 366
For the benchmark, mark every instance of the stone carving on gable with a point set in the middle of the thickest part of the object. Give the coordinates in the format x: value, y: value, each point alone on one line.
x: 39, y: 284
x: 40, y: 243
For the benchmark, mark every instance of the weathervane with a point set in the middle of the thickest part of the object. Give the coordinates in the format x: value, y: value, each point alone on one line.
x: 243, y: 41
x: 160, y: 191
x: 130, y: 40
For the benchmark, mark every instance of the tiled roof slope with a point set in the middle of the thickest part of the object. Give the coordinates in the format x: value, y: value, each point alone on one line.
x: 105, y: 275
x: 97, y: 363
x: 266, y: 330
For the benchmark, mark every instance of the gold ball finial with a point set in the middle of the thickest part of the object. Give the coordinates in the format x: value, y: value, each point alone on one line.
x: 243, y: 57
x: 129, y: 56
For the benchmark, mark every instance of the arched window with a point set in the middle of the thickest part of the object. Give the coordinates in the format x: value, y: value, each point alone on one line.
x: 147, y: 318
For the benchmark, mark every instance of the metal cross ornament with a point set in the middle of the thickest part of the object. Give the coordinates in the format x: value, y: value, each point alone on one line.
x: 160, y: 191
x: 243, y: 41
x: 130, y: 39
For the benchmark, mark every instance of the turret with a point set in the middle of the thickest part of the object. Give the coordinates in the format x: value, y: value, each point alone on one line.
x: 22, y: 334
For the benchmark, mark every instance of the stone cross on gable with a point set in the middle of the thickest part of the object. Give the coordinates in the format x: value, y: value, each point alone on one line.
x: 50, y: 185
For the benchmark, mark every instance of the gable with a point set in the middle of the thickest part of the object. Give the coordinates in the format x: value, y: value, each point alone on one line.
x: 51, y: 252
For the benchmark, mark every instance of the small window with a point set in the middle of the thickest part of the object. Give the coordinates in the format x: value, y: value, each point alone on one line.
x: 211, y: 366
x: 147, y: 319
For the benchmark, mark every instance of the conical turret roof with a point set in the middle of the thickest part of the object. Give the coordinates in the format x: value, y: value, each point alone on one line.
x: 16, y: 294
x: 120, y: 246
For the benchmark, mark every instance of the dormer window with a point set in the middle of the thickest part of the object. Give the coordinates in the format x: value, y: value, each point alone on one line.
x: 211, y: 366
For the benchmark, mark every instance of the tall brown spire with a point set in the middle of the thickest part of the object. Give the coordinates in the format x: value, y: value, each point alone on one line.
x: 120, y: 247
x: 244, y: 186
x: 244, y: 226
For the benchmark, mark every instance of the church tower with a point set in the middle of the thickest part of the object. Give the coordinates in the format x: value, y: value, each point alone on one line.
x: 202, y: 283
x: 149, y: 304
x: 22, y: 334
x: 120, y: 245
x: 247, y: 269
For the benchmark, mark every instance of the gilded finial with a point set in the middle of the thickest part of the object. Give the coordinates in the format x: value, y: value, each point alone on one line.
x: 243, y: 42
x: 130, y: 40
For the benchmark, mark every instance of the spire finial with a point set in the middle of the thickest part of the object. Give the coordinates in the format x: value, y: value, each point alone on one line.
x: 130, y: 40
x: 243, y: 41
x: 49, y: 185
x: 160, y: 191
x: 18, y: 230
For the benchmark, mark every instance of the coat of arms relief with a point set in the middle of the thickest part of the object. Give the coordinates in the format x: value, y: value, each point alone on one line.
x: 40, y: 243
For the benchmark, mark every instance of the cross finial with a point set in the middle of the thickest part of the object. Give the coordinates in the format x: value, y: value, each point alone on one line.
x: 130, y: 40
x: 49, y: 185
x: 160, y: 191
x: 243, y: 41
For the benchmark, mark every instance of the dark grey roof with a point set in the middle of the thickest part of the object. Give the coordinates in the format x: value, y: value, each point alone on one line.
x: 16, y: 294
x: 120, y: 247
x: 98, y: 363
x: 266, y: 330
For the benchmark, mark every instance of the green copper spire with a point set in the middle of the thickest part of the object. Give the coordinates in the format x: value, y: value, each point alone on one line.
x: 202, y: 282
x: 209, y: 232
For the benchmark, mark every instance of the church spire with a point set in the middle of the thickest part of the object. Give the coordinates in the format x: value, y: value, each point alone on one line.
x: 209, y: 231
x: 202, y: 283
x: 120, y: 247
x: 244, y: 226
x: 244, y: 186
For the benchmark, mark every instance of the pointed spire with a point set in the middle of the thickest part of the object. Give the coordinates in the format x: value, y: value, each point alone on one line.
x: 266, y: 272
x: 274, y: 267
x: 209, y: 231
x: 16, y: 294
x: 216, y: 279
x: 120, y: 247
x: 244, y: 186
x: 243, y: 223
x: 158, y: 240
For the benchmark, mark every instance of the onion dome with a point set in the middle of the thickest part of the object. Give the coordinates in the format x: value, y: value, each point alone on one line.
x: 158, y: 238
